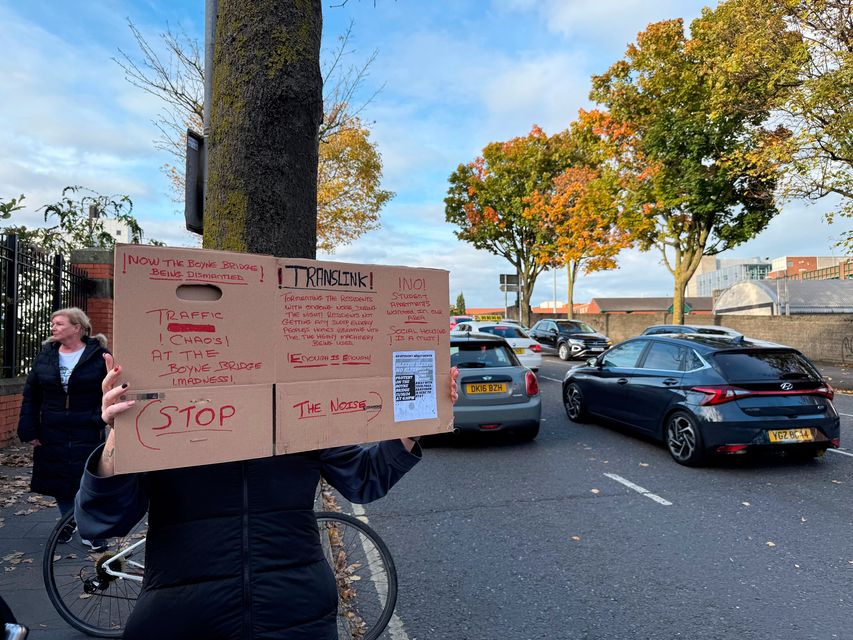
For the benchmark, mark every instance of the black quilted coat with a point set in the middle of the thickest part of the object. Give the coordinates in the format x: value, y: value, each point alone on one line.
x: 233, y: 549
x: 68, y: 425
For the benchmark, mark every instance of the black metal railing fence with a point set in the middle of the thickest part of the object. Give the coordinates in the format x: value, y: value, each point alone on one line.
x: 33, y: 285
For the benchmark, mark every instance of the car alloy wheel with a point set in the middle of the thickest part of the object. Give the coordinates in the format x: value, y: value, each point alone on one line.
x: 684, y: 440
x: 563, y: 351
x: 573, y: 401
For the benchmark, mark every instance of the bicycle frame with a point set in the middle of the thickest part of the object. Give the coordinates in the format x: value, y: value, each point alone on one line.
x: 112, y: 567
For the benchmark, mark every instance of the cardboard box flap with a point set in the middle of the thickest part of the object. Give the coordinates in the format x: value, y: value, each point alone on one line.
x: 341, y: 320
x: 309, y: 416
x: 190, y: 318
x: 169, y: 428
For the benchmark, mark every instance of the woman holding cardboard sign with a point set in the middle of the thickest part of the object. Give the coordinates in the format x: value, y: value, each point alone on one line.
x: 257, y: 569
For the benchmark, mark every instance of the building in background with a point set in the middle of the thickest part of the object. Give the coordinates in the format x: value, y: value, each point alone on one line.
x: 786, y: 296
x: 714, y: 275
x: 812, y: 268
x: 728, y: 271
x: 117, y: 229
x: 692, y: 304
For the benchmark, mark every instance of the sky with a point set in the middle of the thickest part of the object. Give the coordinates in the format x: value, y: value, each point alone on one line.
x: 450, y: 76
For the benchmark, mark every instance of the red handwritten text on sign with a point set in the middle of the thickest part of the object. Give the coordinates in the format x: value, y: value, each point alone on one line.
x: 337, y: 406
x: 156, y: 421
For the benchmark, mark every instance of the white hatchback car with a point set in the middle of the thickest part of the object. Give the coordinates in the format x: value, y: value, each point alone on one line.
x: 529, y: 351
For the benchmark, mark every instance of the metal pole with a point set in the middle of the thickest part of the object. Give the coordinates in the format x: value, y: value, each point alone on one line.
x: 10, y: 320
x: 58, y: 264
x: 555, y: 292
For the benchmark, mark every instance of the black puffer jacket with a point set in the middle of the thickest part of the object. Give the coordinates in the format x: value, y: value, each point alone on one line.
x: 233, y: 550
x: 68, y: 425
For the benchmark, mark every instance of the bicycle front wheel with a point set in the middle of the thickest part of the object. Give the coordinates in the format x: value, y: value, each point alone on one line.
x: 94, y: 591
x: 364, y: 572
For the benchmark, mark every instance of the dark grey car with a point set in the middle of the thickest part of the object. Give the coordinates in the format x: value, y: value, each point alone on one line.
x: 704, y: 395
x: 496, y: 392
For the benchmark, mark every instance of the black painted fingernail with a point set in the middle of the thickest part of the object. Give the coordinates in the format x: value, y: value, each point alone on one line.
x: 124, y: 386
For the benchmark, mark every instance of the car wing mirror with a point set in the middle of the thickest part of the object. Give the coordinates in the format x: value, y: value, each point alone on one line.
x: 592, y: 362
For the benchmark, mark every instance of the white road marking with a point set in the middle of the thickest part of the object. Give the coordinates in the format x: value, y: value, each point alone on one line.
x: 843, y: 453
x: 395, y: 625
x: 849, y: 415
x: 639, y: 489
x: 554, y: 379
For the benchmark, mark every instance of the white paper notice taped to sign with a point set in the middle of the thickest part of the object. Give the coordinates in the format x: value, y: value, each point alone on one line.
x: 414, y: 385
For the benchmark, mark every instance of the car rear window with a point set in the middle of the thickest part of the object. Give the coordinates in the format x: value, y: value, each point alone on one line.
x: 764, y: 365
x: 472, y: 355
x: 505, y: 331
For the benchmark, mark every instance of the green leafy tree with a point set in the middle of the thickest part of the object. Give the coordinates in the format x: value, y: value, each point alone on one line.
x: 460, y: 307
x: 69, y: 225
x: 804, y: 47
x: 489, y: 196
x: 700, y: 174
x: 7, y: 208
x: 581, y: 210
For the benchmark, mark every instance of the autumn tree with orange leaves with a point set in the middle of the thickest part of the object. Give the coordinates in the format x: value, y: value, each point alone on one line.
x: 488, y: 200
x: 581, y: 210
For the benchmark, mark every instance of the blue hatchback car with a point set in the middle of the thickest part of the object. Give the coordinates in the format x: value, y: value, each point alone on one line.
x: 703, y: 395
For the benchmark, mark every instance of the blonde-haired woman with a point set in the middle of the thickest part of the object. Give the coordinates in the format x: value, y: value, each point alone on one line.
x: 61, y: 408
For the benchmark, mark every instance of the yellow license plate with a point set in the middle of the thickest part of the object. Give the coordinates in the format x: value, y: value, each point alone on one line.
x: 520, y: 350
x: 791, y: 435
x: 487, y: 387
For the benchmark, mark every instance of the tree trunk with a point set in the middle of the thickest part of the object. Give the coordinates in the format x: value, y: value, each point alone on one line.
x: 267, y: 106
x: 678, y: 301
x: 572, y: 268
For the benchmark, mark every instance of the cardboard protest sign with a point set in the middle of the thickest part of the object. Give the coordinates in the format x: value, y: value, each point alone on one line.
x: 233, y: 356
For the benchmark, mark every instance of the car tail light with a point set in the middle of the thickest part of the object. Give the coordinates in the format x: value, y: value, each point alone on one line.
x: 719, y: 394
x: 489, y: 427
x: 531, y: 383
x: 732, y: 448
x: 535, y: 347
x: 836, y: 442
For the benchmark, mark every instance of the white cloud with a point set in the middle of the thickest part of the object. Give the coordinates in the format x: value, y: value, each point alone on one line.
x: 71, y: 119
x: 611, y: 24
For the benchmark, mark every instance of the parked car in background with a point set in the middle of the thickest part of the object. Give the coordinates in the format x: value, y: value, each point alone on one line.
x: 707, y: 329
x: 454, y: 320
x: 703, y: 395
x: 529, y: 351
x: 569, y: 338
x: 496, y: 392
x: 516, y: 323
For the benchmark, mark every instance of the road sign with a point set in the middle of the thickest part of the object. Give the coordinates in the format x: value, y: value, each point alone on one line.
x: 509, y: 288
x: 509, y: 279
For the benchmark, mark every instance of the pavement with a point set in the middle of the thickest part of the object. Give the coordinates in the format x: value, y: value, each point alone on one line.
x: 840, y: 376
x: 27, y: 519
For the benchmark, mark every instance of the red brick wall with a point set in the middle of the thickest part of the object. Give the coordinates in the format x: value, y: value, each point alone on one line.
x: 10, y: 406
x: 100, y: 310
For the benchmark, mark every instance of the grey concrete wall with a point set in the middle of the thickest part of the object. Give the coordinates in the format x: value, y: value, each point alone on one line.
x: 822, y: 337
